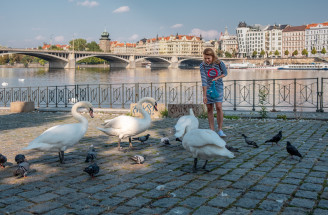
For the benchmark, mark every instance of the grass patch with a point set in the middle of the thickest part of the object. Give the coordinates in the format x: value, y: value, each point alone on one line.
x: 165, y: 113
x: 231, y: 117
x: 203, y: 115
x: 284, y: 117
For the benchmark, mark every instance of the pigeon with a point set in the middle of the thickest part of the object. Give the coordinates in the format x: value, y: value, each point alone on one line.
x: 92, y: 170
x: 3, y: 160
x: 22, y: 169
x: 142, y: 139
x: 275, y: 139
x: 292, y: 150
x: 92, y: 154
x: 165, y: 140
x: 178, y: 139
x: 138, y: 159
x: 250, y: 142
x: 232, y: 149
x: 20, y: 158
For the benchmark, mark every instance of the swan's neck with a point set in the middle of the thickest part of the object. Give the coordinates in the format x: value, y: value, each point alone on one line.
x: 77, y: 115
x: 144, y: 113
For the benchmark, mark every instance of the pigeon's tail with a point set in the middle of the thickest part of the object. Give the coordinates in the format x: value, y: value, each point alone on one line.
x: 135, y: 138
x: 267, y: 141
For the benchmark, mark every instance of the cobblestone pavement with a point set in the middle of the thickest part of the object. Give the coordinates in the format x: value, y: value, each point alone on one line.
x: 262, y: 180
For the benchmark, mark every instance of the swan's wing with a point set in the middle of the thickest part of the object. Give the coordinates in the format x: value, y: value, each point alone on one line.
x: 203, y: 137
x: 185, y: 124
x: 119, y: 122
x: 58, y: 136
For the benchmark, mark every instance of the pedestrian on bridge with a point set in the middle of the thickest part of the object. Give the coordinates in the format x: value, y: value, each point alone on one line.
x: 212, y: 70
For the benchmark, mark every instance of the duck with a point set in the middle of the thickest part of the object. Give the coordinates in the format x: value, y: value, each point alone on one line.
x: 205, y: 144
x: 60, y: 137
x: 128, y: 126
x: 185, y: 123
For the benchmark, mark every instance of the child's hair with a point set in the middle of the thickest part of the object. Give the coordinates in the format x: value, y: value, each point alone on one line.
x: 209, y: 51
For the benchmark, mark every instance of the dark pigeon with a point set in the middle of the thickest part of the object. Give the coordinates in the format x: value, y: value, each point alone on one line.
x: 3, y: 160
x: 275, y: 139
x: 178, y: 139
x: 142, y: 139
x: 22, y: 169
x: 92, y: 170
x: 250, y: 142
x: 232, y: 149
x: 92, y: 154
x: 292, y: 150
x: 20, y: 158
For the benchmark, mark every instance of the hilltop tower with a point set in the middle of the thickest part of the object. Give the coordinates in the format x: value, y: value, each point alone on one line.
x: 104, y: 41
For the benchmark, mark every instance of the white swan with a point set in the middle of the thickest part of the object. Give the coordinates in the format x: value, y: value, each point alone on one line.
x: 4, y: 84
x: 128, y: 126
x: 205, y: 144
x: 185, y: 124
x: 60, y: 137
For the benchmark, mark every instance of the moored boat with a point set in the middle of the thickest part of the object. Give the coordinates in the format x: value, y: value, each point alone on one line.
x: 304, y: 67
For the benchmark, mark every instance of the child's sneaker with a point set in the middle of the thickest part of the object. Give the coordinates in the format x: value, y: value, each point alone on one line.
x: 221, y: 134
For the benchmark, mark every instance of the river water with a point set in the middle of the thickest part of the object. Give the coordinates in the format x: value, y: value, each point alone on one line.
x: 25, y: 77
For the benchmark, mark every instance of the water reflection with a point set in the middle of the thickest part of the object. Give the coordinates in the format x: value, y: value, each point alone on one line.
x: 104, y: 75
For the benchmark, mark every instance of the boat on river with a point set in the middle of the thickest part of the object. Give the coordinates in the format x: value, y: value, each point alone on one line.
x: 249, y: 66
x: 322, y: 66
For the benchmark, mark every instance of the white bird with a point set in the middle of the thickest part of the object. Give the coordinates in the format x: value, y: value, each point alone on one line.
x: 4, y: 84
x: 205, y: 144
x: 21, y: 79
x: 127, y: 126
x: 61, y: 137
x: 138, y: 159
x: 185, y: 124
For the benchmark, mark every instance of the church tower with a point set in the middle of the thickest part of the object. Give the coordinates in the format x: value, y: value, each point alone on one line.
x: 104, y: 42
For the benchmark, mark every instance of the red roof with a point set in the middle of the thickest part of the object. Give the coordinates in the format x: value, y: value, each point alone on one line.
x: 316, y: 24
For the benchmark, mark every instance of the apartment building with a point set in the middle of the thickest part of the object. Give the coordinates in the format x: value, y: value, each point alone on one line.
x: 293, y: 40
x: 228, y: 43
x: 316, y: 36
x: 273, y: 39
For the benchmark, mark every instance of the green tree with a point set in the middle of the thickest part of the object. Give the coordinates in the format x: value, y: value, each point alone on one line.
x: 219, y: 52
x: 270, y: 53
x: 276, y: 53
x: 262, y: 53
x: 227, y: 54
x: 254, y: 53
x: 79, y: 44
x: 313, y: 51
x: 92, y: 60
x: 26, y: 60
x: 323, y: 51
x: 234, y: 53
x: 4, y: 59
x: 286, y: 52
x: 42, y: 62
x: 305, y: 52
x: 93, y: 46
x: 295, y: 53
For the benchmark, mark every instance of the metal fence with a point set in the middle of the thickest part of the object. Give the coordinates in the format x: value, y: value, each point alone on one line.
x: 274, y: 94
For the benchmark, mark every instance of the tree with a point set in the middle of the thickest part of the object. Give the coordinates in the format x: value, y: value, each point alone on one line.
x: 262, y: 53
x: 4, y: 59
x: 270, y: 53
x: 26, y: 60
x: 234, y: 53
x: 276, y: 53
x: 254, y: 53
x: 286, y: 52
x: 227, y: 54
x: 93, y: 46
x: 79, y: 44
x: 53, y: 47
x: 219, y: 52
x: 295, y: 53
x: 323, y: 51
x: 305, y: 52
x: 313, y: 51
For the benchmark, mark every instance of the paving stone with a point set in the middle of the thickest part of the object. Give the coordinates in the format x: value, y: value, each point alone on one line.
x: 306, y: 194
x: 44, y: 197
x: 16, y: 207
x: 236, y: 211
x: 165, y: 202
x: 294, y: 181
x: 44, y: 207
x: 179, y: 210
x: 152, y: 210
x: 319, y: 211
x: 295, y: 211
x: 207, y: 210
x: 255, y: 195
x: 285, y: 188
x: 269, y: 205
x: 129, y: 193
x: 124, y: 209
x: 61, y: 210
x: 303, y: 203
x: 311, y: 187
x: 247, y: 202
x: 112, y: 201
x: 261, y: 212
x: 221, y: 202
x: 323, y: 204
x: 208, y: 192
x: 263, y: 188
x: 193, y: 202
x: 138, y: 202
x: 314, y: 180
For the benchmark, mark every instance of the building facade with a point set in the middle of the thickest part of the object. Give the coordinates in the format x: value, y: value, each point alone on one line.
x: 273, y: 40
x: 316, y: 37
x: 104, y: 42
x: 228, y: 43
x: 293, y: 41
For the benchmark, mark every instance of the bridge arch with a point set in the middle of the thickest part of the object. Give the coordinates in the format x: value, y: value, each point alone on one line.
x: 114, y: 61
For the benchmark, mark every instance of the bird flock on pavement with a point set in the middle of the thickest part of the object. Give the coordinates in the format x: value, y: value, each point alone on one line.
x: 201, y: 143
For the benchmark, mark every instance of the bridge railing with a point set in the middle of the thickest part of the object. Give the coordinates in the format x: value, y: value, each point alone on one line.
x: 280, y: 94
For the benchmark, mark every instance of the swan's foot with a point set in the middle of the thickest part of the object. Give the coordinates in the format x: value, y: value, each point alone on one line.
x: 194, y: 168
x: 204, y: 167
x: 61, y: 157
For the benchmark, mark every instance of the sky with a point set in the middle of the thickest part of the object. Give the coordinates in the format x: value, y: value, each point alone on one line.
x: 30, y: 23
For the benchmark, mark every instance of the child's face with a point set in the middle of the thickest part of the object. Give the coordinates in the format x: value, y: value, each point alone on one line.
x: 208, y: 59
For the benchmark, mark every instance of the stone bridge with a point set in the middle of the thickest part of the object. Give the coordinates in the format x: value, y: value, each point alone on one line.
x: 68, y: 59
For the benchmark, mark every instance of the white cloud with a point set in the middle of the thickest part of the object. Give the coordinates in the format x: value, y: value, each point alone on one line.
x: 134, y: 37
x: 122, y: 9
x: 177, y: 26
x: 209, y: 35
x: 59, y: 38
x: 40, y: 37
x: 88, y: 3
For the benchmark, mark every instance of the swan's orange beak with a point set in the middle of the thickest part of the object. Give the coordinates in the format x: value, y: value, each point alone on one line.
x: 155, y: 106
x: 91, y: 112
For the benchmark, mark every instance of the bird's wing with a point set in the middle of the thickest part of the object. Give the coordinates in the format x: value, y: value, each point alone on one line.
x: 203, y: 137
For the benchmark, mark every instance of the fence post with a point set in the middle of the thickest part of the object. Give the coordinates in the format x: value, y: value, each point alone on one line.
x: 136, y: 97
x: 234, y: 95
x: 99, y: 96
x: 110, y: 96
x: 65, y: 96
x: 322, y: 93
x: 196, y: 93
x: 47, y: 103
x: 180, y: 92
x: 122, y: 95
x: 165, y: 98
x: 274, y: 96
x: 253, y: 95
x: 318, y: 95
x: 295, y: 96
